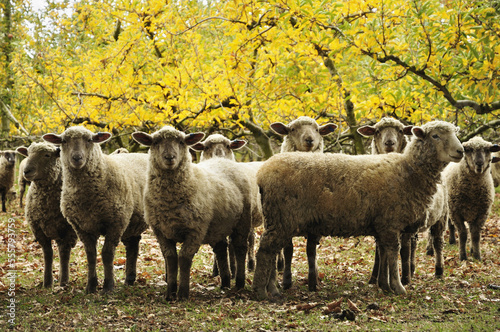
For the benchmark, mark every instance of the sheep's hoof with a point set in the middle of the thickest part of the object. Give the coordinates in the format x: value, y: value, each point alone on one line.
x: 130, y: 279
x: 108, y: 286
x: 91, y: 286
x: 400, y: 290
x: 405, y: 280
x: 439, y: 272
x: 373, y: 280
x: 463, y: 257
x: 452, y: 240
x: 183, y: 294
x: 430, y: 252
x: 251, y: 265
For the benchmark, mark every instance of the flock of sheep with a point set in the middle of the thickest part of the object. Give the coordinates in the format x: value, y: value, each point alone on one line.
x: 405, y: 187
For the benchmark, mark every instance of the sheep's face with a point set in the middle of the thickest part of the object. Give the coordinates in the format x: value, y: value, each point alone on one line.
x: 40, y: 162
x: 478, y: 154
x: 443, y: 137
x: 218, y: 146
x: 304, y: 133
x: 169, y: 148
x: 387, y: 138
x: 77, y: 144
x: 10, y: 157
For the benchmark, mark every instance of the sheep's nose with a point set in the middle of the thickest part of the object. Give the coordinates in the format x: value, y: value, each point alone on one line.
x: 389, y: 143
x: 77, y: 157
x: 309, y: 141
x: 169, y: 158
x: 460, y: 152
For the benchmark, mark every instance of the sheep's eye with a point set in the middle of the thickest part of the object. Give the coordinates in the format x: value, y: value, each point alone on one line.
x: 47, y: 155
x: 400, y: 131
x: 467, y: 150
x: 292, y: 130
x: 435, y: 136
x: 63, y: 141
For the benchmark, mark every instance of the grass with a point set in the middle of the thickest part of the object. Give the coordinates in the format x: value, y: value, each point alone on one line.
x: 461, y: 301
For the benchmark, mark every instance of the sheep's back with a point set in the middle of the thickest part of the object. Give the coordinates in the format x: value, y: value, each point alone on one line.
x: 336, y: 194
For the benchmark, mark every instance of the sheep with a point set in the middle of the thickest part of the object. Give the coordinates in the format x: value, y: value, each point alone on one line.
x: 495, y: 170
x: 471, y: 192
x: 302, y: 134
x: 119, y: 150
x: 218, y: 146
x: 194, y: 204
x: 42, y: 167
x: 102, y: 195
x: 21, y: 180
x: 388, y: 136
x: 7, y: 173
x: 343, y: 195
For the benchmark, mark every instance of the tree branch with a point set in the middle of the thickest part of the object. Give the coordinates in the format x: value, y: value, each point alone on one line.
x: 483, y: 128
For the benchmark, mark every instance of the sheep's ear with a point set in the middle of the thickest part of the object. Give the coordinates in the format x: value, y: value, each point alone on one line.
x: 327, y: 129
x: 418, y: 132
x: 193, y: 138
x: 367, y: 130
x: 237, y: 144
x: 495, y: 160
x: 280, y: 128
x: 407, y: 130
x: 52, y: 138
x: 142, y: 138
x: 22, y: 151
x: 198, y: 147
x: 101, y: 137
x: 495, y: 148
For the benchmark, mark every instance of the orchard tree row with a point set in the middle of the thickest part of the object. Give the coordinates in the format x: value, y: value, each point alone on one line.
x: 236, y: 66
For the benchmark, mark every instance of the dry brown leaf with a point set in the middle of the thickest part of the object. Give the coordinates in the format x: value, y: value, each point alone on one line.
x: 352, y: 306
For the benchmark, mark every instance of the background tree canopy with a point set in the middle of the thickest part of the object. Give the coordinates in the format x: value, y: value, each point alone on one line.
x: 237, y: 66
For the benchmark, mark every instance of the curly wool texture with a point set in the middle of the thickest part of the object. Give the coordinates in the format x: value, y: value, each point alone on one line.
x: 342, y: 195
x: 22, y: 182
x: 470, y: 194
x: 43, y: 211
x: 7, y: 170
x: 207, y: 200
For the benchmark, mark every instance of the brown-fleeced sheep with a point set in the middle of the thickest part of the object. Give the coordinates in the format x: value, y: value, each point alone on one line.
x: 342, y: 195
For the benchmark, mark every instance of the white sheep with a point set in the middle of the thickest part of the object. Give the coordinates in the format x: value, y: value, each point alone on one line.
x: 219, y: 146
x: 43, y: 213
x: 21, y: 181
x: 7, y: 174
x: 471, y: 192
x: 302, y: 134
x: 102, y: 195
x: 495, y: 170
x: 343, y: 195
x: 194, y: 204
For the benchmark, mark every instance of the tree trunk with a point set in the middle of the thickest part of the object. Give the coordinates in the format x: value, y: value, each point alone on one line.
x: 6, y: 49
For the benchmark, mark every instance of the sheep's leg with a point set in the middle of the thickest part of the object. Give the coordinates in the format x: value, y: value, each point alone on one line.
x: 90, y: 244
x: 239, y: 241
x: 266, y: 263
x: 132, y: 250
x: 451, y: 228
x: 108, y: 257
x: 220, y: 250
x: 475, y: 236
x: 383, y: 271
x: 64, y: 256
x: 287, y: 268
x: 430, y: 246
x: 312, y: 242
x: 376, y: 265
x: 436, y: 233
x: 48, y: 255
x: 22, y: 189
x: 162, y: 241
x: 251, y: 251
x: 272, y: 285
x: 186, y: 254
x: 232, y: 259
x: 462, y: 236
x: 171, y: 264
x: 413, y: 248
x: 406, y: 258
x: 392, y: 262
x: 215, y: 269
x: 4, y: 199
x: 281, y: 261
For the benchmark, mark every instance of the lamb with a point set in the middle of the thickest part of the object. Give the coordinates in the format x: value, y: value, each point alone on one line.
x: 342, y: 195
x: 21, y: 180
x: 303, y: 134
x: 42, y: 166
x: 217, y: 145
x: 7, y: 173
x: 102, y: 195
x: 194, y: 204
x: 471, y: 192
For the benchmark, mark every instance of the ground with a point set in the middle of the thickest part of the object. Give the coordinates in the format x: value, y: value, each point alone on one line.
x: 467, y: 298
